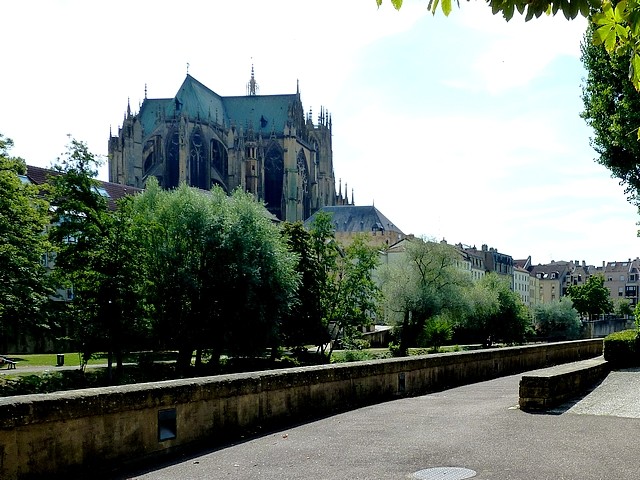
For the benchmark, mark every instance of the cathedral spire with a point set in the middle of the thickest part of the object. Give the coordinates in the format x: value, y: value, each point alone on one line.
x: 145, y: 91
x: 353, y: 202
x: 252, y: 86
x: 128, y: 106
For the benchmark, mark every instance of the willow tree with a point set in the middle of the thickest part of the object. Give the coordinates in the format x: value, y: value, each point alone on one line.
x: 219, y: 275
x: 424, y: 283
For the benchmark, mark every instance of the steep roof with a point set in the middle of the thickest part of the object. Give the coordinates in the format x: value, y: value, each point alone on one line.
x: 354, y: 219
x: 111, y: 191
x: 264, y: 113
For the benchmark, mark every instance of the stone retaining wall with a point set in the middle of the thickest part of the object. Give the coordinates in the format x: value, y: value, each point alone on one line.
x: 549, y: 387
x: 67, y: 432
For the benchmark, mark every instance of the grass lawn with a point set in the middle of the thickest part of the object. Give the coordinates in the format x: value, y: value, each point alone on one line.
x: 71, y: 359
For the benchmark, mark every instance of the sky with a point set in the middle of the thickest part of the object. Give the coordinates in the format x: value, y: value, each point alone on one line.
x: 464, y: 128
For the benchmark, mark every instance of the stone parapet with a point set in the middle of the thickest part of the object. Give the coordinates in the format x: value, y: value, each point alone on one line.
x: 68, y: 432
x: 553, y: 386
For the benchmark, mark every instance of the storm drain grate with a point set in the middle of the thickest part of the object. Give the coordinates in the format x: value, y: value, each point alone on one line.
x: 444, y: 473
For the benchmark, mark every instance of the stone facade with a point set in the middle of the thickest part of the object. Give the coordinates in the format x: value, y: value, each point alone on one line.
x: 264, y: 144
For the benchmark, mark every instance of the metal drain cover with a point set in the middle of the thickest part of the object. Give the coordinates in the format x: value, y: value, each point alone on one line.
x: 444, y: 473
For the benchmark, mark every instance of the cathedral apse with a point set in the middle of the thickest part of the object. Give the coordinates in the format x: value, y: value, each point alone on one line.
x: 264, y: 144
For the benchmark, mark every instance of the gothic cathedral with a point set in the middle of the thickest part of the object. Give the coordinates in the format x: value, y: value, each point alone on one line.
x: 264, y: 144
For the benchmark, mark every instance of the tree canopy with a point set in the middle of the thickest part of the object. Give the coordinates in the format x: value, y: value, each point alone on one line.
x: 24, y: 290
x: 612, y: 109
x: 557, y: 319
x: 96, y: 258
x: 591, y: 298
x: 423, y: 283
x: 219, y: 274
x: 347, y: 292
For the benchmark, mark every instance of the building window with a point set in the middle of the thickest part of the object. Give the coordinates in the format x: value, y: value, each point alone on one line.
x: 620, y: 291
x: 622, y: 278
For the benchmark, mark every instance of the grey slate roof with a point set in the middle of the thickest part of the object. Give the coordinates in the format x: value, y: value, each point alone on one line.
x: 354, y: 219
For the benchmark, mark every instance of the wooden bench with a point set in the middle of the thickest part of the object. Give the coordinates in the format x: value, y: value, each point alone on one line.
x: 550, y: 387
x: 8, y: 362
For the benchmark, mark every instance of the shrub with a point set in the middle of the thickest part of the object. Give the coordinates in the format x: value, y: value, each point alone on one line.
x: 622, y: 349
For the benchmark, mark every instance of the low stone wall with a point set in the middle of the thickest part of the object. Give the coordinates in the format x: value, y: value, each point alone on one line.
x: 553, y: 386
x: 67, y: 432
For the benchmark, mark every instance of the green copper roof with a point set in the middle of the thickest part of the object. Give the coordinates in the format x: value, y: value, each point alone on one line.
x: 152, y: 110
x: 265, y: 113
x: 197, y: 101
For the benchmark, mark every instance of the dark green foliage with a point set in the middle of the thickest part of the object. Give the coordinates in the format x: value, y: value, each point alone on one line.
x: 97, y: 257
x: 557, y: 320
x: 423, y: 283
x: 303, y: 324
x: 495, y: 313
x: 612, y: 109
x: 591, y: 298
x: 437, y: 332
x: 219, y: 275
x: 347, y: 292
x: 622, y: 349
x: 24, y: 286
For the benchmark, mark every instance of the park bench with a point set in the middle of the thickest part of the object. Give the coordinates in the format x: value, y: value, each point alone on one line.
x: 549, y: 387
x: 8, y: 362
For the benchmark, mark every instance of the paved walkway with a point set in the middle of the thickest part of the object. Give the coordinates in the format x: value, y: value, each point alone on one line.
x: 475, y: 428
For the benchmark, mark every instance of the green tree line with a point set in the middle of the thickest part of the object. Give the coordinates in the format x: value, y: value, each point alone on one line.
x: 211, y: 273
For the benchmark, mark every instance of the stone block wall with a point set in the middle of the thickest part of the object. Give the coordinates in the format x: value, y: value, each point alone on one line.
x: 68, y: 432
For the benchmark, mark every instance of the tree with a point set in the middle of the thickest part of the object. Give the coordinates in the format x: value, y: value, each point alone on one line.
x: 261, y: 278
x: 497, y: 313
x: 348, y: 294
x: 591, y: 298
x: 437, y: 331
x: 557, y: 319
x: 303, y: 325
x: 612, y: 109
x: 220, y: 276
x: 425, y: 282
x: 623, y: 308
x: 96, y: 257
x: 24, y: 286
x: 616, y: 24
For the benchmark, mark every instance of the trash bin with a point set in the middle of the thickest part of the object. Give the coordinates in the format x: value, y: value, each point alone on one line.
x: 60, y: 360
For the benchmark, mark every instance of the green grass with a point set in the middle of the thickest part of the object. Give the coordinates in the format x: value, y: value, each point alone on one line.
x: 72, y: 359
x: 45, y: 360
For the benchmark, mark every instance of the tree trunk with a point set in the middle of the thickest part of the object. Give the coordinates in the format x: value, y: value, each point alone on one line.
x: 183, y: 362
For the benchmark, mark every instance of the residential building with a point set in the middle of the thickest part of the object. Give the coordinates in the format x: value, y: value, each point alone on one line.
x: 476, y: 261
x: 521, y: 284
x: 622, y: 280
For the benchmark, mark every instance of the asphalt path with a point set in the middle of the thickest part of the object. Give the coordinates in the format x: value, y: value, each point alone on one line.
x: 475, y: 430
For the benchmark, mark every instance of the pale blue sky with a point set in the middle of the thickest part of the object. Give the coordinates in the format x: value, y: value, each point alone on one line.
x: 464, y: 127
